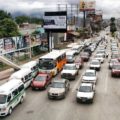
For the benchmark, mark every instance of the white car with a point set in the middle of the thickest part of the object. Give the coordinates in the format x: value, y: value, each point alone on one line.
x: 86, y: 92
x: 99, y: 57
x: 70, y: 71
x: 89, y: 76
x: 95, y: 64
x: 111, y: 62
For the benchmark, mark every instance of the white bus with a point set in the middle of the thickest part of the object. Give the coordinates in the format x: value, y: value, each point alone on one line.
x: 33, y: 65
x: 25, y: 75
x: 52, y: 62
x: 11, y: 94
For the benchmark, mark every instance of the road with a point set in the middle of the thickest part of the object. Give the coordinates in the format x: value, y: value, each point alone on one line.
x: 106, y: 104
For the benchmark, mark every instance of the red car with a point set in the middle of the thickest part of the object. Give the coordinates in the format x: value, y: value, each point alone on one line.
x: 41, y: 81
x: 115, y: 70
x: 79, y: 62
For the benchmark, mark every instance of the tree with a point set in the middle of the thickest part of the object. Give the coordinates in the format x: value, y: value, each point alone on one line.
x: 8, y: 28
x: 4, y: 14
x: 113, y: 28
x: 22, y: 19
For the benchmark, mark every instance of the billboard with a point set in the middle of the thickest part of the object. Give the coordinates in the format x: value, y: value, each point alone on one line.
x: 1, y: 46
x: 87, y: 5
x: 55, y: 21
x: 9, y: 44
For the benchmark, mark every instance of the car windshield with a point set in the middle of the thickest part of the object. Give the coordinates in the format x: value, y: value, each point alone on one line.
x: 84, y: 54
x: 117, y: 67
x: 47, y: 64
x: 95, y: 62
x: 99, y: 56
x: 40, y: 78
x: 112, y: 61
x: 3, y: 99
x: 58, y: 85
x: 85, y: 89
x: 67, y: 67
x: 69, y: 56
x: 90, y: 74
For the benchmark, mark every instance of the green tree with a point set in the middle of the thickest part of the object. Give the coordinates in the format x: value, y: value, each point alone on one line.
x: 4, y: 15
x: 22, y: 19
x: 8, y: 28
x: 113, y: 27
x: 112, y: 19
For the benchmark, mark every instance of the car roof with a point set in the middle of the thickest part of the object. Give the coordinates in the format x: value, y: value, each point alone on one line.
x: 89, y: 70
x: 95, y: 60
x: 73, y: 64
x: 86, y: 84
x: 59, y: 80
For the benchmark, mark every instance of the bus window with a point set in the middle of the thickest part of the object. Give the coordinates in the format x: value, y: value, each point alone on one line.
x: 21, y: 88
x: 15, y: 92
x: 47, y: 64
x: 9, y: 98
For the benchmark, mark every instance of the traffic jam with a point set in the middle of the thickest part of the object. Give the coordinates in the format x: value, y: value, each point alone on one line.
x: 54, y: 72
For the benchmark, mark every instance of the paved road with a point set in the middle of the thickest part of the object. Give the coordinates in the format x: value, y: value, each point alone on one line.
x: 105, y: 107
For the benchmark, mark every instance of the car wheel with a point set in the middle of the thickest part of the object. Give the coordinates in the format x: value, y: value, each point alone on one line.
x: 91, y: 101
x: 112, y: 75
x: 45, y: 87
x: 10, y: 111
x: 33, y: 88
x: 21, y: 100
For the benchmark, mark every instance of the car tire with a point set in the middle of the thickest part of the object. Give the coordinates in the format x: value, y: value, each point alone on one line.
x: 112, y: 75
x: 45, y: 87
x: 91, y: 101
x: 21, y: 100
x: 10, y: 111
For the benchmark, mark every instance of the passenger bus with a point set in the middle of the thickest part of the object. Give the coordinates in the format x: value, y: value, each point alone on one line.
x: 33, y: 65
x: 11, y: 94
x: 52, y: 62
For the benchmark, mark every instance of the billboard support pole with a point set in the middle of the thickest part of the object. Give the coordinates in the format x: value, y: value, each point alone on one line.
x: 48, y: 36
x: 84, y: 19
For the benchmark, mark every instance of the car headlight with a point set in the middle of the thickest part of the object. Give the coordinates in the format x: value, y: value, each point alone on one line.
x: 3, y: 109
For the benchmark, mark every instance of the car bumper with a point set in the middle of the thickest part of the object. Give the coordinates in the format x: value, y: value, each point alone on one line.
x: 69, y: 77
x: 95, y: 68
x: 84, y: 100
x: 116, y: 74
x: 56, y: 96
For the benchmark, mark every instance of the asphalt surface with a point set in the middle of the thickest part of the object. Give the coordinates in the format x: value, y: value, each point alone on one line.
x: 37, y: 106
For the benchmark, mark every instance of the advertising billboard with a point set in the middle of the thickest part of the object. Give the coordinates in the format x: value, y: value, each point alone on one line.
x: 55, y: 21
x: 1, y: 46
x: 9, y: 44
x: 87, y: 5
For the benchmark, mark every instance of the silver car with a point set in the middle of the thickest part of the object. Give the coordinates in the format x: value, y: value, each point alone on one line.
x: 58, y: 89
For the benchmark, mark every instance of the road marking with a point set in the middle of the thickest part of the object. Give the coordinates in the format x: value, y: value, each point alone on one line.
x: 79, y: 79
x: 106, y: 83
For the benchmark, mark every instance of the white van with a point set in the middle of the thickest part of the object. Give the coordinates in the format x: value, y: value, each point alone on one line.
x: 33, y: 65
x: 25, y: 75
x: 11, y: 94
x: 77, y: 49
x: 70, y: 56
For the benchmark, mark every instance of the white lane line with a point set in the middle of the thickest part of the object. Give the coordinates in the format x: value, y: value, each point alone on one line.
x: 79, y: 79
x: 77, y: 83
x: 106, y: 83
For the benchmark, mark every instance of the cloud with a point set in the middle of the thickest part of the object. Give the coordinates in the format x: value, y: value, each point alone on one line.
x: 109, y: 7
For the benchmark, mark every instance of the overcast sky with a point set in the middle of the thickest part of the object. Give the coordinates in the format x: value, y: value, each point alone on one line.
x: 109, y: 7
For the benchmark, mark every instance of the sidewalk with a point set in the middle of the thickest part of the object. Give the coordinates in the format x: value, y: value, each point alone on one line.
x: 6, y: 73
